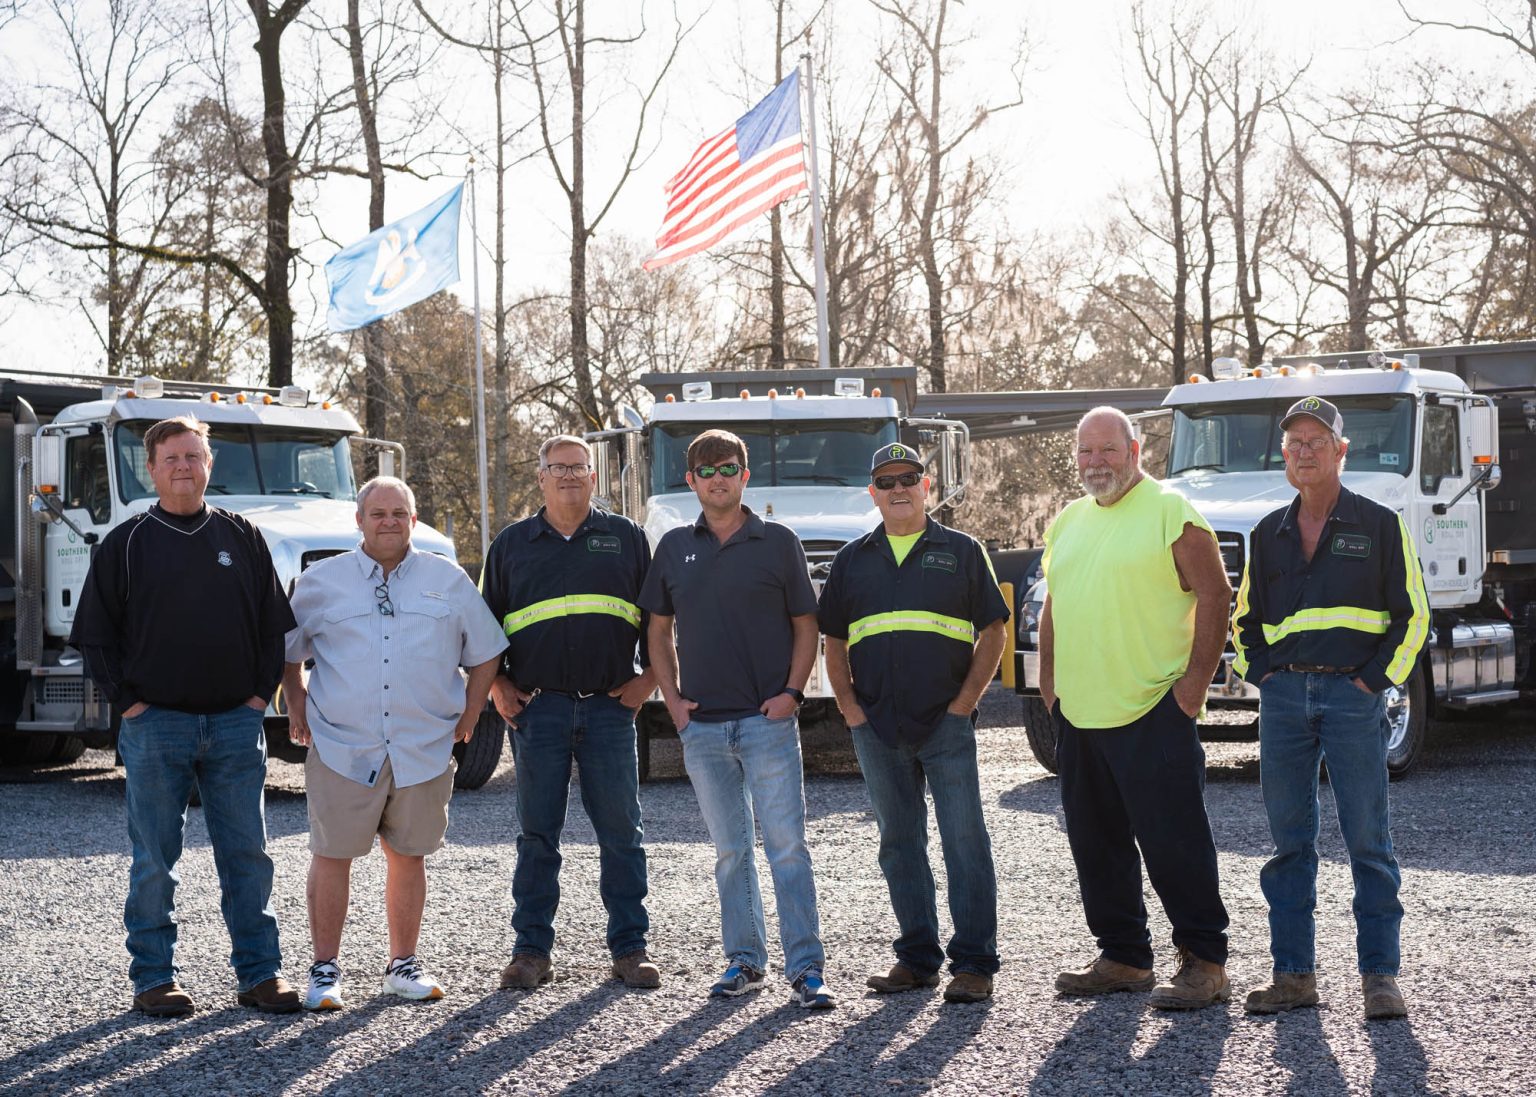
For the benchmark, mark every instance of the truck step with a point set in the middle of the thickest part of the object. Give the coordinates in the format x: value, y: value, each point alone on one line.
x: 1472, y: 700
x: 66, y: 727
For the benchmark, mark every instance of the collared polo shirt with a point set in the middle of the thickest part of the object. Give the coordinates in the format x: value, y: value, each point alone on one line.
x: 1358, y: 603
x: 732, y: 604
x: 388, y: 686
x: 911, y: 626
x: 568, y: 607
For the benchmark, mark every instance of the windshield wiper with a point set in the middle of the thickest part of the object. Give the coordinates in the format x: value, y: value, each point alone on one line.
x: 298, y: 489
x: 222, y: 489
x: 1220, y: 466
x: 817, y: 477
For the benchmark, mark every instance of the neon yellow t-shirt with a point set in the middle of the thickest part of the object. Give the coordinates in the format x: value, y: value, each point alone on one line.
x: 1123, y: 627
x: 901, y: 544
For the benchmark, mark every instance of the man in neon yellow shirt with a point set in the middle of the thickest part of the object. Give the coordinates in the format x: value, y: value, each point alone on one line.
x: 1130, y: 636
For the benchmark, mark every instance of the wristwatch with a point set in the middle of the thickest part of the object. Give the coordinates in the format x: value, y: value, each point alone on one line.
x: 795, y: 693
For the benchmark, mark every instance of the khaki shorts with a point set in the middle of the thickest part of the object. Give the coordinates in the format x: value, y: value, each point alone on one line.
x: 345, y: 815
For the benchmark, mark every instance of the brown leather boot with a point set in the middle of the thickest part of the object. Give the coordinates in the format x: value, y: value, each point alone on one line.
x: 968, y: 986
x: 526, y: 971
x: 1286, y: 990
x: 901, y: 978
x: 1197, y: 984
x: 165, y: 1000
x: 1105, y: 976
x: 1383, y: 1001
x: 636, y: 970
x: 272, y: 996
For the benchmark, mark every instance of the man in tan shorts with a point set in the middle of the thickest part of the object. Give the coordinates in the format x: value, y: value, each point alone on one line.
x: 388, y: 629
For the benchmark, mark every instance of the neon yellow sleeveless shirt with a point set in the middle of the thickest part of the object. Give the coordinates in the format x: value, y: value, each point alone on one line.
x: 1122, y: 625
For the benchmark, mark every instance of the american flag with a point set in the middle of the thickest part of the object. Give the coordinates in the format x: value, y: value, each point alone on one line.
x: 734, y: 176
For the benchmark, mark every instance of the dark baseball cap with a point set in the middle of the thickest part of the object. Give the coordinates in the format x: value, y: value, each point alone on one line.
x: 1315, y: 407
x: 895, y: 453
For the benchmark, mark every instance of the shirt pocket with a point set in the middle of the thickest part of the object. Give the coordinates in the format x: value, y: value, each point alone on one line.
x: 350, y: 633
x: 426, y: 624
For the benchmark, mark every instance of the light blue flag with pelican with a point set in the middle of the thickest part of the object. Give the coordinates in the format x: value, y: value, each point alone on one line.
x: 404, y: 262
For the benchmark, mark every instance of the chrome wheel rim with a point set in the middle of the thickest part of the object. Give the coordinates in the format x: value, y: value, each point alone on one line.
x: 1396, y: 716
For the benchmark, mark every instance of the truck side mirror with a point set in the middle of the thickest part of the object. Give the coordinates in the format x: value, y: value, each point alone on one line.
x: 602, y: 462
x: 48, y: 463
x: 386, y: 462
x: 1483, y: 436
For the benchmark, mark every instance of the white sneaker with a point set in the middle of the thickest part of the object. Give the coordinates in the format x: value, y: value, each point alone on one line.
x: 324, y: 986
x: 407, y: 979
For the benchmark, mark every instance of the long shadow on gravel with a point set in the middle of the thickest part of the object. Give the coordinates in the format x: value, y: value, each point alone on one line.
x: 1094, y: 1056
x: 1401, y: 1063
x: 1301, y: 1050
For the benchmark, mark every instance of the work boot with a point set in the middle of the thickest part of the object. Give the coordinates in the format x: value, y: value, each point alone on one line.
x: 526, y: 971
x: 1197, y: 984
x: 901, y: 978
x: 272, y: 996
x: 636, y: 970
x: 968, y: 986
x: 1287, y: 990
x: 1383, y: 1000
x: 1105, y: 976
x: 165, y: 1000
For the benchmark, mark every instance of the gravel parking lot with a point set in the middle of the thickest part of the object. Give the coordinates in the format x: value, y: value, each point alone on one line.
x: 1464, y: 829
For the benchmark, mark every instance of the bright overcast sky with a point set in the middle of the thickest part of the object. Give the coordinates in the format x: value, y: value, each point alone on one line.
x: 1068, y: 149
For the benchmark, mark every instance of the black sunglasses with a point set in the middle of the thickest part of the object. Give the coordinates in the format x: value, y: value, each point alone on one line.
x: 905, y: 479
x: 707, y: 472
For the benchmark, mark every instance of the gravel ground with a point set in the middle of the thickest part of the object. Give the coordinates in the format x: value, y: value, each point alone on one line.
x: 1463, y: 825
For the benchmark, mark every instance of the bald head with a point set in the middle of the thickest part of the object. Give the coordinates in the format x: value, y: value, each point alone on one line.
x: 1108, y: 455
x: 1102, y: 416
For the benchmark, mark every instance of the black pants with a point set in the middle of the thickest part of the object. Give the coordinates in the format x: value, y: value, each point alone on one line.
x: 1142, y: 785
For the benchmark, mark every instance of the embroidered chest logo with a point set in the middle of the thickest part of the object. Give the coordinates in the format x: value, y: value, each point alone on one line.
x: 224, y: 558
x: 941, y: 561
x: 1357, y: 545
x: 600, y: 543
x: 690, y: 558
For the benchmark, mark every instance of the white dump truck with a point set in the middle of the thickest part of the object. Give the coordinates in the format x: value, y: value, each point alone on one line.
x: 1426, y: 428
x: 809, y: 433
x: 281, y: 459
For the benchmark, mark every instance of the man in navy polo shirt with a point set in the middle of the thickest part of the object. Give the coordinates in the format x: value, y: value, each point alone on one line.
x: 739, y: 592
x: 915, y: 624
x: 563, y: 583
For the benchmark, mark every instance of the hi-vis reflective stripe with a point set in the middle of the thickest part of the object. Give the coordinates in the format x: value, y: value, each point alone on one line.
x: 569, y: 604
x: 1418, y: 623
x: 1326, y: 617
x: 911, y: 620
x: 1240, y: 659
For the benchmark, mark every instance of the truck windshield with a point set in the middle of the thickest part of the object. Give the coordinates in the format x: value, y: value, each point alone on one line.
x: 249, y: 460
x: 787, y: 452
x: 1245, y: 437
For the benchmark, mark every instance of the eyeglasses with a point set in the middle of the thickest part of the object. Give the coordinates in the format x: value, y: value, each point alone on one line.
x: 560, y: 472
x: 905, y: 479
x: 707, y: 472
x: 1316, y: 445
x: 381, y: 592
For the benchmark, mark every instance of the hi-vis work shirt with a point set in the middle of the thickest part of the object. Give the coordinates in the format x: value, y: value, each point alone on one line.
x: 568, y: 607
x: 910, y: 627
x: 1358, y: 603
x: 1123, y: 624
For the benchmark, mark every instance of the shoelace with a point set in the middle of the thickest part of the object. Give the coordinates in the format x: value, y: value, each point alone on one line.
x: 408, y: 969
x: 325, y: 973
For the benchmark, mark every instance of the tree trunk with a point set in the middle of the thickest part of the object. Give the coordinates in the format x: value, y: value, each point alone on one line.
x: 927, y: 249
x: 585, y: 399
x: 270, y: 26
x: 499, y: 414
x: 375, y: 372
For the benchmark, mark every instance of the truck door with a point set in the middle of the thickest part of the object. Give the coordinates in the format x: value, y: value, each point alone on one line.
x: 86, y: 499
x: 1450, y: 544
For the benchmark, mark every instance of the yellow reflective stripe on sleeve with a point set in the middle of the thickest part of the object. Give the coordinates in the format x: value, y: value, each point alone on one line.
x: 911, y: 620
x: 1326, y: 617
x: 1240, y: 660
x: 567, y: 605
x: 1418, y: 622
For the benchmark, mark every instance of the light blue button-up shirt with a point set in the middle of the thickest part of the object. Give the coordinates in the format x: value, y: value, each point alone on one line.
x: 388, y: 685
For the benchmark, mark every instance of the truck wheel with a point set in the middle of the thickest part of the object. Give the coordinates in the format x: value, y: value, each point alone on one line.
x: 1407, y: 720
x: 66, y: 748
x: 1040, y: 727
x: 479, y: 757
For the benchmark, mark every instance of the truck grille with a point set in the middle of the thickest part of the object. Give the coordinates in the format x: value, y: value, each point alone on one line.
x: 314, y: 557
x: 63, y: 691
x: 1233, y: 554
x: 818, y: 557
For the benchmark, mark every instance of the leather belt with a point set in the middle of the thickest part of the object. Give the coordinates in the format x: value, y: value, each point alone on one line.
x: 575, y: 695
x: 1314, y: 668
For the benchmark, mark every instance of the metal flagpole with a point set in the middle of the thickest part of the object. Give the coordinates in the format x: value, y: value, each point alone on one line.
x: 823, y: 347
x: 485, y: 499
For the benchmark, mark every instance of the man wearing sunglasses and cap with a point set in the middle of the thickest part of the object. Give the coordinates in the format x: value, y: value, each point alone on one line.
x: 1330, y: 613
x: 915, y: 624
x: 739, y: 593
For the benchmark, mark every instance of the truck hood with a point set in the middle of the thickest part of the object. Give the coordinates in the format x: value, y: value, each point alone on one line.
x: 1235, y: 501
x: 825, y: 513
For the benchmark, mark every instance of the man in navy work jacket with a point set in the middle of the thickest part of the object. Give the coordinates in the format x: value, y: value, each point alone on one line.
x: 1331, y: 612
x: 739, y: 592
x: 564, y: 584
x: 181, y: 622
x: 915, y: 624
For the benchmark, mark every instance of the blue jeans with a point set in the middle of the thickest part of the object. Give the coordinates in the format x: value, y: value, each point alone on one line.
x: 895, y: 777
x: 1303, y: 718
x: 164, y: 751
x: 737, y: 766
x: 599, y: 733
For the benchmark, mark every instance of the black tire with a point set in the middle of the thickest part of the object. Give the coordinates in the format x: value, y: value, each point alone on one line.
x: 1407, y: 723
x: 652, y: 721
x: 66, y: 749
x: 1040, y: 727
x: 479, y: 757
